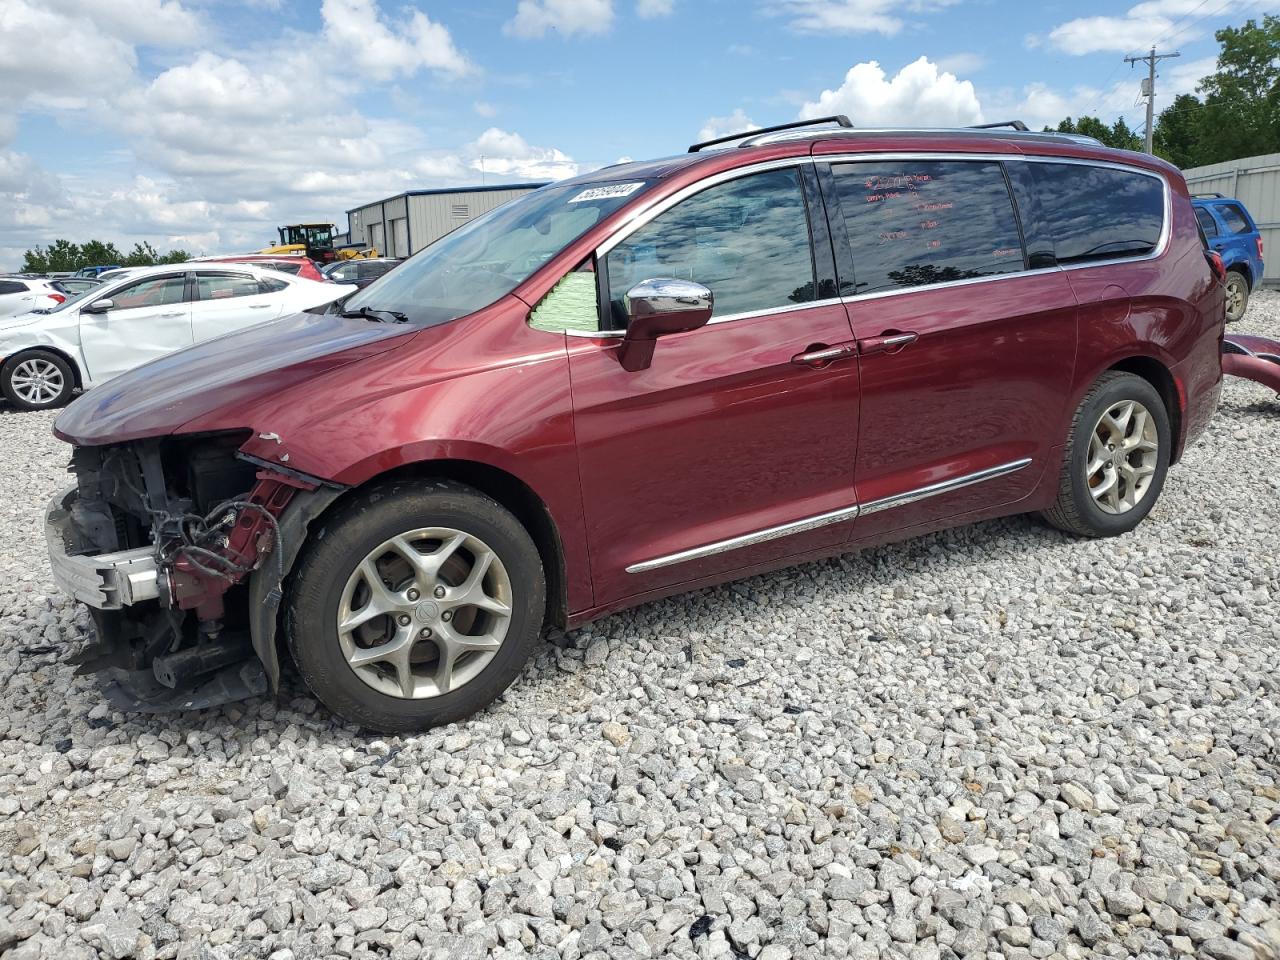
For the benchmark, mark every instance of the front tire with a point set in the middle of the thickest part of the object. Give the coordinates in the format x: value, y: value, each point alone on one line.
x: 1237, y: 295
x: 37, y: 380
x: 1116, y: 459
x: 415, y: 606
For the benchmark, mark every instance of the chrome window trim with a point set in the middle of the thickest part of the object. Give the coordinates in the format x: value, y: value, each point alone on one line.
x: 833, y: 516
x: 648, y: 214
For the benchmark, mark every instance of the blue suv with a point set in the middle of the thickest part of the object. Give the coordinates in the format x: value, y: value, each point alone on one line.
x: 1234, y: 236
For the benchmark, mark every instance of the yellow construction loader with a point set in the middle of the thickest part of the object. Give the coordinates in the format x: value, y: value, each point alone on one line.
x: 314, y: 240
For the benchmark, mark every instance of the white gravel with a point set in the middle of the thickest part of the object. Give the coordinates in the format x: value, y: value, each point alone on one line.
x: 992, y: 742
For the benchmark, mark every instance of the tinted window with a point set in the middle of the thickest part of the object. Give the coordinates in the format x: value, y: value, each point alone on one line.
x: 1206, y: 222
x: 271, y: 285
x: 152, y: 292
x: 283, y: 266
x: 1099, y: 213
x: 345, y: 272
x: 918, y: 222
x: 224, y: 286
x: 12, y: 286
x: 747, y: 240
x: 373, y: 268
x: 1234, y: 218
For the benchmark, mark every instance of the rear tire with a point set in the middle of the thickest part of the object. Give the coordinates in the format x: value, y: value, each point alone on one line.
x: 416, y: 605
x: 1116, y: 458
x: 1237, y: 295
x: 37, y: 380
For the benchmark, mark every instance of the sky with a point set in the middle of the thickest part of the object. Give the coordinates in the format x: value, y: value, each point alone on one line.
x: 204, y: 124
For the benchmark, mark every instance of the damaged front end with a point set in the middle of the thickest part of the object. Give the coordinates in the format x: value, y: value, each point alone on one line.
x: 180, y: 546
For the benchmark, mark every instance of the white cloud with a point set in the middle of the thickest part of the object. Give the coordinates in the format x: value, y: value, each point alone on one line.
x: 917, y: 95
x: 535, y: 17
x: 484, y: 109
x: 354, y: 28
x: 851, y: 16
x: 1154, y: 21
x: 652, y: 9
x: 736, y: 122
x: 153, y: 22
x: 497, y: 152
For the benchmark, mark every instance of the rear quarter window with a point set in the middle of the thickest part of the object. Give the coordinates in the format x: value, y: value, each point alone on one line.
x: 1099, y: 213
x: 12, y: 286
x: 1234, y: 218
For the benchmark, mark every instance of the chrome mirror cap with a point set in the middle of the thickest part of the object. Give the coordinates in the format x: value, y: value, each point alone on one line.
x: 665, y: 295
x: 659, y: 307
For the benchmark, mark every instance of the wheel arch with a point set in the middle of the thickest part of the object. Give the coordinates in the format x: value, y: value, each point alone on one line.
x: 76, y: 373
x: 1242, y: 267
x: 1159, y: 376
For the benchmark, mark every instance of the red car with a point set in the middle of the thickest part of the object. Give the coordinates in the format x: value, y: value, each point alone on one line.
x: 648, y: 379
x: 299, y: 266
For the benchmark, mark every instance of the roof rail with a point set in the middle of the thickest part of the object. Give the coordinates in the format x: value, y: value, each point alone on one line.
x: 1014, y: 124
x: 1209, y: 196
x: 839, y: 119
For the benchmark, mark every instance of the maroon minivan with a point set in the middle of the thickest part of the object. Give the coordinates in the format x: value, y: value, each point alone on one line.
x: 647, y: 379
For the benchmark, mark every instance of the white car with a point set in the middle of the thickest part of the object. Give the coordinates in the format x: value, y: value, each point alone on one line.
x: 47, y: 354
x: 22, y: 295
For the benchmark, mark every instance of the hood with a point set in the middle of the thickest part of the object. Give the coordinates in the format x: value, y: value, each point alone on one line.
x: 20, y: 320
x: 157, y: 398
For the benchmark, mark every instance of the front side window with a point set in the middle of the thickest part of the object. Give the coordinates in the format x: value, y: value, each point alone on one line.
x: 152, y: 292
x: 747, y: 240
x: 1099, y: 213
x: 225, y: 286
x: 488, y: 257
x: 1207, y: 224
x: 1234, y: 218
x: 919, y: 222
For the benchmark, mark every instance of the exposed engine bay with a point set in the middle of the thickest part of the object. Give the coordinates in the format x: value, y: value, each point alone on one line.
x: 195, y: 533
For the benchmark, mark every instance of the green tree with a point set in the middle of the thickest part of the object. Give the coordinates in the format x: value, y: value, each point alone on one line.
x: 95, y: 253
x: 1179, y: 130
x: 1121, y: 137
x: 1242, y: 97
x: 174, y: 256
x: 142, y: 255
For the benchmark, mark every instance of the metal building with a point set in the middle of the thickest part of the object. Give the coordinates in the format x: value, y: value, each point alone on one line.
x: 1255, y: 182
x: 402, y: 225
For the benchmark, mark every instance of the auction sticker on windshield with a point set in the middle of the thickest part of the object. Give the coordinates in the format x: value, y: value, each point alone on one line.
x: 611, y: 192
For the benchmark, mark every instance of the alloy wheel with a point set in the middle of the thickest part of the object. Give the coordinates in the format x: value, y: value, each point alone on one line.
x: 1123, y: 454
x: 424, y: 613
x: 37, y: 381
x: 1235, y: 296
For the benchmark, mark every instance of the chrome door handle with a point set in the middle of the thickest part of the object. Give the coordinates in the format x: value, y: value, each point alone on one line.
x: 819, y: 356
x: 886, y: 343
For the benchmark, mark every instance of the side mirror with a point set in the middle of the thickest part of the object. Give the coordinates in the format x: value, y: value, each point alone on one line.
x: 657, y: 308
x: 100, y: 306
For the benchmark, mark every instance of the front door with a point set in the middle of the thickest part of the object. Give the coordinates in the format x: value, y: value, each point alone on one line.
x: 731, y: 448
x: 967, y: 355
x: 150, y: 318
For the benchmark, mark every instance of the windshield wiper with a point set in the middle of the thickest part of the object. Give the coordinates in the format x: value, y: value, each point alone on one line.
x: 371, y: 313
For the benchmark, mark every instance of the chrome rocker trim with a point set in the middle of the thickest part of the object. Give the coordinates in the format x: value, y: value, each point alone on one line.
x: 109, y: 581
x: 833, y: 516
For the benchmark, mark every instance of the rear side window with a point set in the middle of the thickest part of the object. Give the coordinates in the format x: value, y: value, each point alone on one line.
x: 1205, y: 218
x: 271, y: 285
x: 1234, y: 218
x: 912, y: 223
x: 225, y: 286
x: 373, y: 268
x: 283, y: 266
x: 12, y: 286
x: 1099, y: 213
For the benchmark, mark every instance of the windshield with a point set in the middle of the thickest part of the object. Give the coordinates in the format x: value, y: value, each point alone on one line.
x: 489, y: 257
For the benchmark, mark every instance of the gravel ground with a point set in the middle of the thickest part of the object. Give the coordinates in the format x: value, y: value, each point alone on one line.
x: 992, y: 742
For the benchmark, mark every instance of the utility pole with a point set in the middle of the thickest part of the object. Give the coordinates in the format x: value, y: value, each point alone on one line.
x: 1149, y: 85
